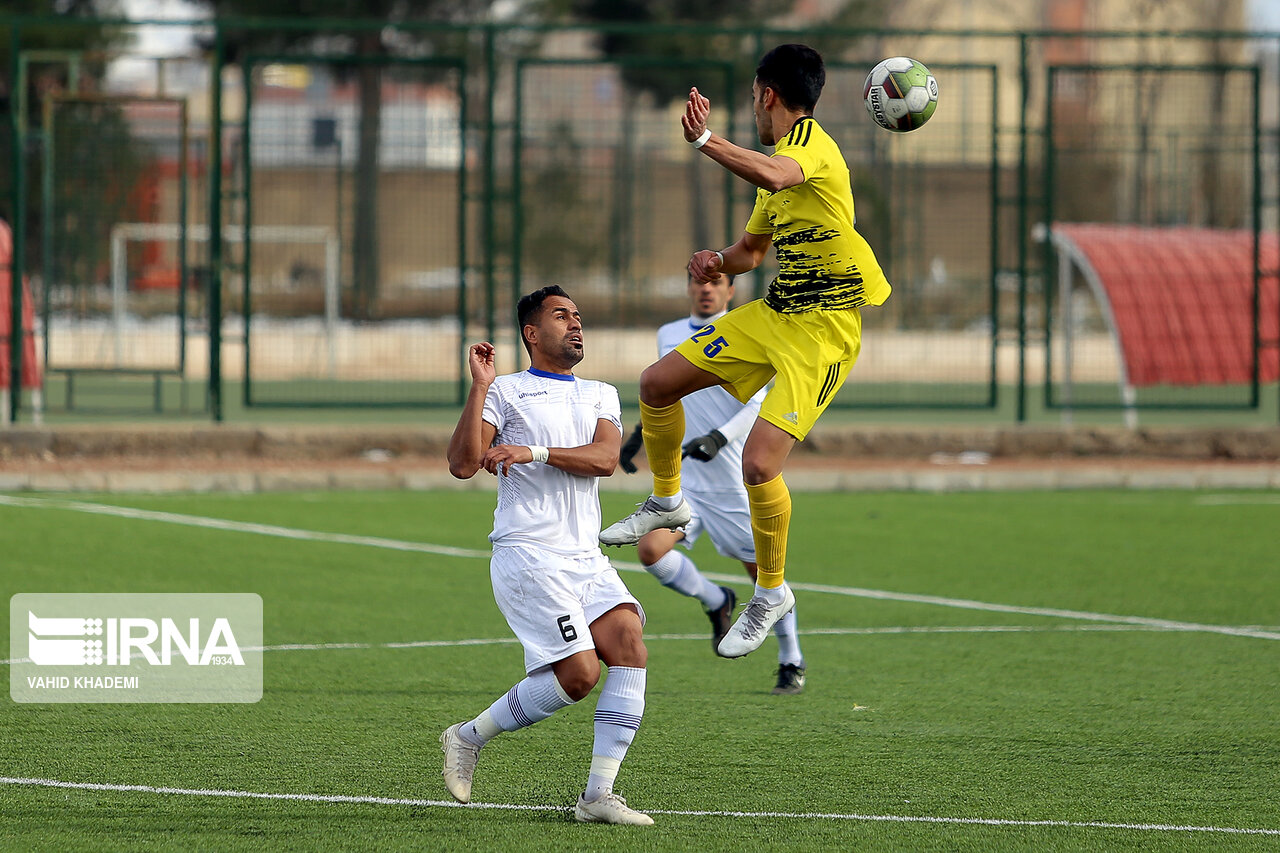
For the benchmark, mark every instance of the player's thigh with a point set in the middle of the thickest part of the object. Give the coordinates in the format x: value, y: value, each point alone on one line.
x: 539, y: 595
x: 672, y: 377
x: 734, y: 348
x: 812, y: 354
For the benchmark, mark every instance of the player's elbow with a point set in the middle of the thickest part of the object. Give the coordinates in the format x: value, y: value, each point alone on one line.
x: 463, y: 469
x: 605, y: 465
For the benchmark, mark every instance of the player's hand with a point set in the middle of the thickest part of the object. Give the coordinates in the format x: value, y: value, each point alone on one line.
x: 705, y: 447
x: 630, y: 448
x: 480, y: 360
x: 704, y: 265
x: 499, y: 458
x: 694, y: 120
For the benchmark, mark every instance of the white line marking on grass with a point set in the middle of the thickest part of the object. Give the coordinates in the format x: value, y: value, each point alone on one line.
x: 807, y: 632
x: 1237, y: 500
x: 397, y: 801
x: 239, y: 526
x: 400, y: 545
x: 966, y: 604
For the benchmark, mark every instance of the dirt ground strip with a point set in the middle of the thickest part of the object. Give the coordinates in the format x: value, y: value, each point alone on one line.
x: 250, y: 459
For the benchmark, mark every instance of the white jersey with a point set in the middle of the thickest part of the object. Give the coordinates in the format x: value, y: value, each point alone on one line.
x: 538, y: 504
x: 705, y: 410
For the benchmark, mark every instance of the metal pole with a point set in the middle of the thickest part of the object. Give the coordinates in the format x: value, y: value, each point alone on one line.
x: 17, y: 259
x: 1025, y: 77
x: 215, y: 226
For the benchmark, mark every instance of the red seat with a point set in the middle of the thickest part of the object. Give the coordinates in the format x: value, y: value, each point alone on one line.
x: 1182, y: 300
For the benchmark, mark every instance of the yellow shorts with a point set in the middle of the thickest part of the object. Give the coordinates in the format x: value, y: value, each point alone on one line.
x: 810, y: 354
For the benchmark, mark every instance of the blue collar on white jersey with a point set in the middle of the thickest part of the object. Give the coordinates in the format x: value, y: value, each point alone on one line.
x: 545, y: 375
x: 697, y: 323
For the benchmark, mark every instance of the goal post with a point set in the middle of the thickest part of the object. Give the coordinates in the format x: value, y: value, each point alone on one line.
x: 124, y: 232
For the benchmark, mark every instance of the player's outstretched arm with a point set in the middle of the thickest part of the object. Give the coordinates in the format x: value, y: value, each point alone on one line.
x: 473, y: 434
x: 761, y: 170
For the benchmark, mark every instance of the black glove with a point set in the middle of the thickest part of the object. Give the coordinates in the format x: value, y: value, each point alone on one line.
x: 630, y: 448
x: 704, y: 447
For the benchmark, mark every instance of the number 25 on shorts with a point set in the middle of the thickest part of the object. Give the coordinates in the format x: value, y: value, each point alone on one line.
x: 712, y: 349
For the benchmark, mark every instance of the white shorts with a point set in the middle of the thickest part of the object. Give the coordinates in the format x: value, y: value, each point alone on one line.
x: 727, y: 520
x: 550, y: 600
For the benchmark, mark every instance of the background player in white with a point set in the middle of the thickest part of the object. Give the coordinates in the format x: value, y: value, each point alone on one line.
x: 716, y: 427
x: 548, y: 436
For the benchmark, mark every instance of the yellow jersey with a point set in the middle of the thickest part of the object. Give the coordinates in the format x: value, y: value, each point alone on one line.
x: 823, y: 263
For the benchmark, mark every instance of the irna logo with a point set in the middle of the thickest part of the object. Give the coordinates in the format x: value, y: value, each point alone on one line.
x: 135, y: 647
x: 117, y: 641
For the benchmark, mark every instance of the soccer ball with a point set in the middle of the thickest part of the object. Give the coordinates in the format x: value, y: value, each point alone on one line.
x: 900, y: 94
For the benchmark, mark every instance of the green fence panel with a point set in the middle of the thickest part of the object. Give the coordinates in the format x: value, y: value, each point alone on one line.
x: 1153, y: 160
x: 351, y: 267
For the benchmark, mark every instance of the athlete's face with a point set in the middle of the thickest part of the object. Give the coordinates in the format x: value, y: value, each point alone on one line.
x: 557, y: 336
x: 764, y: 121
x: 710, y: 297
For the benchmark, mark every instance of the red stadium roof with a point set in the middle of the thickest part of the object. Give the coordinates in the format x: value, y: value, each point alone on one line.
x: 1181, y: 299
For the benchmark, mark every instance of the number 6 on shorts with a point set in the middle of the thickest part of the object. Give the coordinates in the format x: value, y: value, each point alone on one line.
x: 567, y: 630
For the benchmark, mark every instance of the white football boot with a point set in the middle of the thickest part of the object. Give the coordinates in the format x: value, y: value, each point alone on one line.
x: 609, y: 809
x: 754, y: 623
x: 460, y: 757
x: 649, y: 517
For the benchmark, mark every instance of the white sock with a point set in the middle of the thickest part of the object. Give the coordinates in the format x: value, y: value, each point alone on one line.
x: 774, y: 595
x: 788, y: 640
x: 669, y: 502
x: 618, y: 715
x: 676, y: 571
x: 534, y: 699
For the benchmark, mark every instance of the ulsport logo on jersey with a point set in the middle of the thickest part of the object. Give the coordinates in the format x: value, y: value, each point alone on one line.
x: 168, y: 647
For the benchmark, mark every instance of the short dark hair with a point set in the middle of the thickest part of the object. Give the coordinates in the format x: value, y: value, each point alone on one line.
x: 530, y: 306
x: 796, y: 73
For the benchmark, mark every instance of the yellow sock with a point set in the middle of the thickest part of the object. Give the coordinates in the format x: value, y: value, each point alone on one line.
x: 663, y: 432
x: 770, y: 519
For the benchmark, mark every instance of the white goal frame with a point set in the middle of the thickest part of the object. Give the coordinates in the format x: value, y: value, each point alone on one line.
x: 123, y: 232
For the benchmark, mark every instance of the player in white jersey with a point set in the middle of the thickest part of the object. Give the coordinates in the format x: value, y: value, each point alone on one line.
x: 548, y: 436
x: 716, y: 427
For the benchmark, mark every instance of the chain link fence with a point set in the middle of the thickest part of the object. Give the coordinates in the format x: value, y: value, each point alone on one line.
x: 325, y: 213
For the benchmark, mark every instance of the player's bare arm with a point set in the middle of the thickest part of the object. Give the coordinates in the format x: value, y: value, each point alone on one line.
x: 597, y: 459
x: 473, y: 434
x: 761, y: 170
x: 743, y: 256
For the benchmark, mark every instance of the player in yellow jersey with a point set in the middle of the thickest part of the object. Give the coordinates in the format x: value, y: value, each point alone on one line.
x: 806, y: 331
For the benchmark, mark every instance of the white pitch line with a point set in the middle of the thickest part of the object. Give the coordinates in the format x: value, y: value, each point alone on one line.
x: 400, y: 545
x: 239, y: 526
x: 808, y: 632
x: 1237, y: 500
x: 398, y: 801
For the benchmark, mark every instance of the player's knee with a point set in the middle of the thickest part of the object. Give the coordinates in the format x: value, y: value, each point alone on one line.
x: 754, y: 472
x: 578, y: 680
x: 633, y: 652
x: 653, y: 388
x: 650, y: 552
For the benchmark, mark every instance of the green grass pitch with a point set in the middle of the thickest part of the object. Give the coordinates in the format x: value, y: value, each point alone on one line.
x: 981, y: 677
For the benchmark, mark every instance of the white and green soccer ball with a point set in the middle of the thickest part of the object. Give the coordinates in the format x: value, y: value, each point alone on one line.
x: 900, y: 94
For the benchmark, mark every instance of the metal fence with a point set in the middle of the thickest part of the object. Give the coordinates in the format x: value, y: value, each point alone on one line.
x: 325, y: 213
